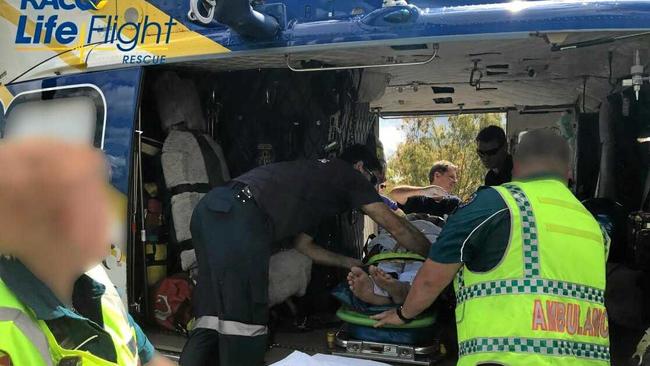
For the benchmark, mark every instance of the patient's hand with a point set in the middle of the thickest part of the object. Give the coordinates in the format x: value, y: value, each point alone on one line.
x: 435, y: 192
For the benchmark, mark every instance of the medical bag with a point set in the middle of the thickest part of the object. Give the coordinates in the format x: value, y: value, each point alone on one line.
x: 172, y: 302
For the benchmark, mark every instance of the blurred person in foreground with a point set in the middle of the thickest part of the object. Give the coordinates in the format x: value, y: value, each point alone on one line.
x: 57, y: 304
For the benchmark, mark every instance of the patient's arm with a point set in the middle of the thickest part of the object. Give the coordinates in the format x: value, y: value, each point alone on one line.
x: 401, y: 194
x: 407, y: 235
x: 305, y: 244
x: 399, y: 292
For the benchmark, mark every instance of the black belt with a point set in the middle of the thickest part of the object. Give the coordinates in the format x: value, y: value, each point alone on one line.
x: 242, y: 192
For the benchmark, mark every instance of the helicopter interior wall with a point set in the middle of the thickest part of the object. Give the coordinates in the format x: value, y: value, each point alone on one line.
x: 518, y: 122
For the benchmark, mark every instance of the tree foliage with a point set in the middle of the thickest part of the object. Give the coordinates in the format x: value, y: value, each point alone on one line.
x: 429, y: 140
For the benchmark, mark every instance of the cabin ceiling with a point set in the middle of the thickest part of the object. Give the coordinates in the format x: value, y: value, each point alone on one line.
x: 516, y: 72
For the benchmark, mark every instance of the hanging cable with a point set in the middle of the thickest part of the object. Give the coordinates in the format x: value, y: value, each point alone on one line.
x: 140, y: 197
x: 584, y: 93
x: 610, y: 57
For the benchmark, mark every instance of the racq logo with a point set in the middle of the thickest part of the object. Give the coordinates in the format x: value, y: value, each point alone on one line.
x: 106, y: 29
x: 65, y: 5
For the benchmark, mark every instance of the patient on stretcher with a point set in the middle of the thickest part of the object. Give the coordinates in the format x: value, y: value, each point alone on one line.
x: 385, y: 284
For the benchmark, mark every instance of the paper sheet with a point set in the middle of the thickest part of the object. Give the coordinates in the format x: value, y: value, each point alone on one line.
x: 302, y: 359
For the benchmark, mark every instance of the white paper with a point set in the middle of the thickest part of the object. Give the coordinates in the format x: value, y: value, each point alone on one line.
x: 302, y: 359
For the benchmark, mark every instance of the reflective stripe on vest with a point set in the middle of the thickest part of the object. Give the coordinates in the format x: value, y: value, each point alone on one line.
x: 539, y: 310
x: 27, y: 326
x: 532, y: 286
x: 529, y: 237
x: 229, y: 327
x: 116, y: 321
x: 550, y: 347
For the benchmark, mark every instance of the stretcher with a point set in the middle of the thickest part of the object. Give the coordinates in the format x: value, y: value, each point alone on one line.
x: 416, y: 343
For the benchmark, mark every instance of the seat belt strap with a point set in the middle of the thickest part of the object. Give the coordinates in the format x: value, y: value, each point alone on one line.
x: 210, y: 159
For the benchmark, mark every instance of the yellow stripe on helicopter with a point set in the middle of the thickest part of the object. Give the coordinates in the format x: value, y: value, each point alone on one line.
x: 174, y: 41
x: 5, y: 96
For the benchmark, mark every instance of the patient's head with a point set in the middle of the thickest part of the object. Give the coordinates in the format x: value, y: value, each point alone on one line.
x: 444, y: 174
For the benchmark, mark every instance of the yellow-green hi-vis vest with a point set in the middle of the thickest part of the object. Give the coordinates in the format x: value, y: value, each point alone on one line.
x: 543, y: 304
x: 29, y: 342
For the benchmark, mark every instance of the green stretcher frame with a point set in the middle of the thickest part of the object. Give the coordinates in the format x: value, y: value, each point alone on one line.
x: 349, y: 316
x: 393, y: 256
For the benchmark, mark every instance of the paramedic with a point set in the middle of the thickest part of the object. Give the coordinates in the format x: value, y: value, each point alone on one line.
x: 53, y: 227
x: 233, y: 228
x: 435, y: 199
x: 492, y: 149
x: 529, y: 267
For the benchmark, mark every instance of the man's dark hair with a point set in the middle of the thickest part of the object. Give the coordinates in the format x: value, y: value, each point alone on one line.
x: 441, y: 167
x: 355, y: 153
x: 492, y: 133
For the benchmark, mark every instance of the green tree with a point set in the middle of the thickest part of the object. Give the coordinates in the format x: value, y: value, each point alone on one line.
x: 429, y: 140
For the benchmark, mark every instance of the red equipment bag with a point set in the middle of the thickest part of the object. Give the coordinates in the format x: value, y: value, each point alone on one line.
x: 172, y: 302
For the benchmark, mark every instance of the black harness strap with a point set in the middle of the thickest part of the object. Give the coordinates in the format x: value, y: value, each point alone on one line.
x: 210, y: 159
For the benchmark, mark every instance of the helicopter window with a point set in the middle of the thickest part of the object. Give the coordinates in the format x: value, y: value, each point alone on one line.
x: 76, y: 114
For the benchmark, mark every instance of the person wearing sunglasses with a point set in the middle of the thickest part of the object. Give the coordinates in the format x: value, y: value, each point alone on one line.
x: 236, y: 227
x: 492, y: 149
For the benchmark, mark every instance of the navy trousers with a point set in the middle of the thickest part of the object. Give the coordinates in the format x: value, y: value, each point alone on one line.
x: 232, y: 240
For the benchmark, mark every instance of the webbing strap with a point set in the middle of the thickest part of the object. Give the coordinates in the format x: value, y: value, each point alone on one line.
x: 31, y: 331
x: 185, y: 188
x: 532, y: 286
x: 229, y: 327
x: 547, y: 347
x: 210, y: 160
x: 528, y: 231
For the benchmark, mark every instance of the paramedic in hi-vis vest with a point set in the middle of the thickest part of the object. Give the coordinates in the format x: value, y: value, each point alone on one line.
x: 529, y: 266
x: 53, y: 228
